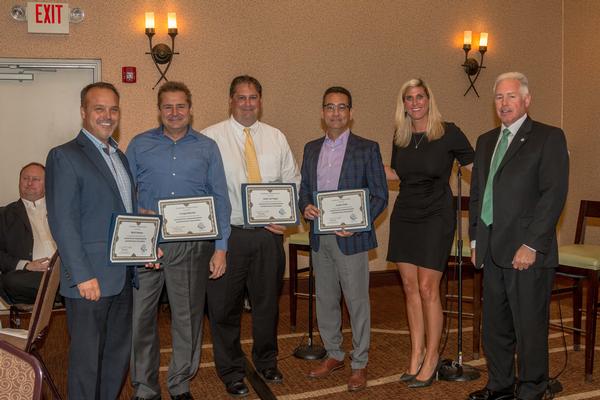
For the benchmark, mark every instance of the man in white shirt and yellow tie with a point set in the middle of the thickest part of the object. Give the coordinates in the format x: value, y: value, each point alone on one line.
x: 252, y: 152
x: 26, y: 244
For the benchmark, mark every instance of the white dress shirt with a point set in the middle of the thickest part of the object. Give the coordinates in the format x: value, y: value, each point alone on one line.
x: 275, y: 158
x: 43, y: 243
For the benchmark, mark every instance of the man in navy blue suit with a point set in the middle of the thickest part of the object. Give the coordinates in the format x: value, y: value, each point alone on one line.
x: 342, y: 160
x: 87, y: 180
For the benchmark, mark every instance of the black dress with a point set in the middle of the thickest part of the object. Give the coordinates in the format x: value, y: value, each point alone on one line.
x: 423, y: 221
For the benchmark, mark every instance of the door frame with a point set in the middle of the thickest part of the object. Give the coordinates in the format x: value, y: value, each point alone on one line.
x: 24, y: 64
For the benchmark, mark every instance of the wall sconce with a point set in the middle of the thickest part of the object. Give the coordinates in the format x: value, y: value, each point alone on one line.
x: 471, y: 65
x: 162, y: 53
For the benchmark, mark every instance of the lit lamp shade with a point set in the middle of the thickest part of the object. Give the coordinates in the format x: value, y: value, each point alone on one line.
x: 467, y: 37
x: 149, y: 20
x: 483, y: 39
x: 172, y: 20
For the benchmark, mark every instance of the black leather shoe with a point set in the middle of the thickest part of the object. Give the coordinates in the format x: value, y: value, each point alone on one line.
x: 272, y: 375
x: 487, y: 394
x: 237, y: 388
x: 182, y: 396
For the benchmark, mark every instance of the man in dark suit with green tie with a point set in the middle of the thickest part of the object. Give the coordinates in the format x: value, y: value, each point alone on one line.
x: 518, y: 190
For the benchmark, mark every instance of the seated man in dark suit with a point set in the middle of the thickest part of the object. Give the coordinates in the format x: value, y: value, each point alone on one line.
x: 26, y: 244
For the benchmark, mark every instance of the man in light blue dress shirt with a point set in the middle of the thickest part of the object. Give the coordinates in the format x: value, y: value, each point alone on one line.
x: 174, y: 161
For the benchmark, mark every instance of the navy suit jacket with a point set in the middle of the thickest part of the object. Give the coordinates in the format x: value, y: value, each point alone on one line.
x: 16, y: 238
x: 362, y: 168
x: 81, y: 196
x: 530, y: 189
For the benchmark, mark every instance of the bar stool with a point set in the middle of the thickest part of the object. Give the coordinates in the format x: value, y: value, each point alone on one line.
x: 581, y: 260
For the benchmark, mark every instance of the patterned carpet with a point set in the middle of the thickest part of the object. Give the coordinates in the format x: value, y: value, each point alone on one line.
x: 388, y: 358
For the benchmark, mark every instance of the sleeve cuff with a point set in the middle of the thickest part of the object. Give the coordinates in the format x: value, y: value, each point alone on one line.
x: 21, y: 265
x: 473, y: 242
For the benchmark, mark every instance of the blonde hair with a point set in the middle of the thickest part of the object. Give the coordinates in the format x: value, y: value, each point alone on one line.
x: 435, y: 125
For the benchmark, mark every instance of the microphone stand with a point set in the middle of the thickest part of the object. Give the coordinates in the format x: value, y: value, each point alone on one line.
x: 310, y: 351
x: 455, y: 370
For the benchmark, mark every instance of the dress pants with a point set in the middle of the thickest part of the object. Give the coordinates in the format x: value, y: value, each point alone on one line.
x: 337, y: 274
x: 256, y: 261
x: 100, y: 344
x: 185, y: 271
x: 20, y: 287
x: 516, y: 308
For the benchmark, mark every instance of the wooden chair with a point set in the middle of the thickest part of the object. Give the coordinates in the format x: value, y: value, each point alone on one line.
x: 297, y: 242
x: 30, y: 339
x: 581, y: 260
x: 475, y: 299
x: 20, y: 374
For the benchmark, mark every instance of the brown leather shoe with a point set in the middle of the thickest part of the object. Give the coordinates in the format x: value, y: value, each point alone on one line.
x: 358, y: 380
x: 326, y: 368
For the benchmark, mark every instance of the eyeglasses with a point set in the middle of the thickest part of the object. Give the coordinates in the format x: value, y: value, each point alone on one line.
x: 330, y: 107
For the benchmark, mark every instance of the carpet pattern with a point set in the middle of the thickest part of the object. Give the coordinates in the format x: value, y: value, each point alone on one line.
x: 388, y: 357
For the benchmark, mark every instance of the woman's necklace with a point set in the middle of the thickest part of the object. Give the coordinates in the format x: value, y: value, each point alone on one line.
x: 420, y: 140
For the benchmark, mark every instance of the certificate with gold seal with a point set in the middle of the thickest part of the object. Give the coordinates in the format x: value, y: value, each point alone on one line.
x: 269, y: 203
x: 342, y: 209
x: 134, y: 239
x: 190, y: 218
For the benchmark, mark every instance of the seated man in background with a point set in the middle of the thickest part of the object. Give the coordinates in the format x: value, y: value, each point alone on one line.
x: 26, y: 244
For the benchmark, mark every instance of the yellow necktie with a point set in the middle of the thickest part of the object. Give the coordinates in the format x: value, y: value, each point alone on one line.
x: 251, y: 161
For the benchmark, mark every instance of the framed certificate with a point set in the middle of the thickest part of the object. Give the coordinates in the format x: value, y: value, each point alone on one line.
x: 133, y: 239
x: 342, y: 209
x: 270, y: 203
x: 190, y: 218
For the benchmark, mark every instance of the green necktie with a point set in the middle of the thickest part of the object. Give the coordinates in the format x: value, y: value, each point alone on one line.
x: 487, y: 209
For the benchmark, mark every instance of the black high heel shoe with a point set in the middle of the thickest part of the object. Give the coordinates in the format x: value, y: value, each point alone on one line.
x: 406, y: 377
x: 415, y: 384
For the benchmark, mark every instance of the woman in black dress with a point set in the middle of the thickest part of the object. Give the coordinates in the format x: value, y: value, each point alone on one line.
x: 423, y: 220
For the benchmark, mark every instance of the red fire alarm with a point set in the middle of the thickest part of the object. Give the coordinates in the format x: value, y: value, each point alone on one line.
x: 129, y: 74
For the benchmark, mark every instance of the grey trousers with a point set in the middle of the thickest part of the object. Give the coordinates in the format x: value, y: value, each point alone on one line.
x: 185, y: 272
x: 337, y: 274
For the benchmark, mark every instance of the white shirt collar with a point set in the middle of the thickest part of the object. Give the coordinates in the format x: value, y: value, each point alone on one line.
x: 240, y: 128
x: 34, y: 204
x: 515, y: 126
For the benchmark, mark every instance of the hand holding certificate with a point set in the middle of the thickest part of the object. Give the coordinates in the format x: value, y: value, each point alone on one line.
x: 269, y: 203
x: 342, y: 209
x: 133, y: 239
x: 191, y: 218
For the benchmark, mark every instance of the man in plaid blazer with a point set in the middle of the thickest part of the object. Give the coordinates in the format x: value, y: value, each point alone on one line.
x: 339, y: 161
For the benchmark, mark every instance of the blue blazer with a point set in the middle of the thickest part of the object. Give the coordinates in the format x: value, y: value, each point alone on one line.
x: 81, y: 196
x: 362, y: 168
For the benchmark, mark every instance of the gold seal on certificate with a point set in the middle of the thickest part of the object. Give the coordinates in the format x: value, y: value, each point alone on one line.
x: 133, y: 239
x: 343, y: 209
x: 191, y: 218
x: 269, y: 203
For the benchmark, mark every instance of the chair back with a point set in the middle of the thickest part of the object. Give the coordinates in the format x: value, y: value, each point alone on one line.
x: 44, y: 301
x: 20, y: 374
x: 587, y: 209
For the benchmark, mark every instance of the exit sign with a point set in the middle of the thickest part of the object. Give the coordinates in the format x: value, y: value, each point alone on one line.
x: 47, y: 17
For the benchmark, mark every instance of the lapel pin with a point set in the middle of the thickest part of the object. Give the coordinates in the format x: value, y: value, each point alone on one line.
x: 522, y: 139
